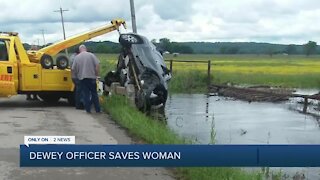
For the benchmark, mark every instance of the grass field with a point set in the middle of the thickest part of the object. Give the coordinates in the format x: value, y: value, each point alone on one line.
x: 279, y: 70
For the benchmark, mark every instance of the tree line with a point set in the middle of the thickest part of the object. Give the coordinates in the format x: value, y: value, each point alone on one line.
x: 165, y: 45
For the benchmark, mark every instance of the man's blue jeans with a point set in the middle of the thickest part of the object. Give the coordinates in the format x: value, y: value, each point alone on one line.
x: 89, y: 89
x: 78, y: 98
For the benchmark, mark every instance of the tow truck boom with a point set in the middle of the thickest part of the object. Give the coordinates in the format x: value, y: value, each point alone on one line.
x: 54, y: 49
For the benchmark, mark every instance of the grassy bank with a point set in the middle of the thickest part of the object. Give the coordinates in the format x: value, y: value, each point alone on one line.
x: 188, y: 82
x: 156, y: 132
x: 140, y: 125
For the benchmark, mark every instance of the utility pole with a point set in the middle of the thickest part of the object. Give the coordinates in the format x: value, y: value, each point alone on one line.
x: 133, y: 16
x: 44, y: 40
x: 62, y: 22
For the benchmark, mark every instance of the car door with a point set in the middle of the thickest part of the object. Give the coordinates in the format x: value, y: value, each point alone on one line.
x: 8, y: 70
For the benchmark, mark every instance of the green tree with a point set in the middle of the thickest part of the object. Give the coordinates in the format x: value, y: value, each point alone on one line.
x: 310, y: 48
x: 176, y: 47
x: 100, y: 48
x: 223, y: 50
x: 165, y: 44
x: 270, y: 51
x: 291, y: 49
x: 233, y: 50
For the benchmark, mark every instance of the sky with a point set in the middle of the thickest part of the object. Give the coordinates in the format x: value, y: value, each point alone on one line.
x: 272, y: 21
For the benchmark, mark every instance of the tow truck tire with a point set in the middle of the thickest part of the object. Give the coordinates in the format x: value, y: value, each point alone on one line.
x: 46, y: 61
x: 62, y: 62
x: 50, y: 98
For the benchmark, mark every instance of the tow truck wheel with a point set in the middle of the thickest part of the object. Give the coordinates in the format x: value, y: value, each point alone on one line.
x: 46, y: 61
x: 62, y: 62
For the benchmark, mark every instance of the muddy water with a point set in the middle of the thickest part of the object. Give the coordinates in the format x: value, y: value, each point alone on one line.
x: 207, y: 119
x: 239, y: 122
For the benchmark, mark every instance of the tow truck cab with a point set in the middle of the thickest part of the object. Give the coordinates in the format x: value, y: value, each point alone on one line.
x: 20, y: 76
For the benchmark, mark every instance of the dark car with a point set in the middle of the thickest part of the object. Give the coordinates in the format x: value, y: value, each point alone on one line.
x: 141, y: 64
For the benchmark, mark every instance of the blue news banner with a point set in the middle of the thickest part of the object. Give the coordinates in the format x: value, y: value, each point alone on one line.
x: 169, y: 155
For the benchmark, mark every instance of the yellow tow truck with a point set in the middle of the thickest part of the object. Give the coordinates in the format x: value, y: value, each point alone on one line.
x: 34, y: 72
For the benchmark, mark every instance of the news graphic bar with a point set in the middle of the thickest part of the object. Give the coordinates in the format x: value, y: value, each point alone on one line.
x: 49, y: 140
x: 170, y: 156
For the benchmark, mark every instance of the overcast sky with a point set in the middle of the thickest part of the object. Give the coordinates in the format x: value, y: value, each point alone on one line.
x: 274, y: 21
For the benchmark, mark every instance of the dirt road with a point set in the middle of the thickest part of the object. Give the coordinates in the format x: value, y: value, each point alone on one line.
x: 19, y: 117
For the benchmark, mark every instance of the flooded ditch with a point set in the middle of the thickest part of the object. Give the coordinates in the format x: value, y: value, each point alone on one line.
x: 220, y: 120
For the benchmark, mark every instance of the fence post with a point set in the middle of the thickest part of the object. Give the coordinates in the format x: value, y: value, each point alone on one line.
x: 209, y: 72
x: 305, y: 105
x: 171, y: 66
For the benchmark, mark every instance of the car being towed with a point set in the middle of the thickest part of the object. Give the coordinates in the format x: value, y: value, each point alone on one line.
x: 142, y: 65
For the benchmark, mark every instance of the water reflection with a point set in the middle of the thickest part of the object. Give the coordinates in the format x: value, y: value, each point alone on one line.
x: 212, y: 119
x: 207, y: 119
x: 190, y: 117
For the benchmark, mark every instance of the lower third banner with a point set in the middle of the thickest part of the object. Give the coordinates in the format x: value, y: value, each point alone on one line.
x: 169, y: 155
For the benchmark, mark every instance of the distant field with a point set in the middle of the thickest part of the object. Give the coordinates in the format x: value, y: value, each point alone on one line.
x: 253, y: 64
x: 280, y: 70
x: 107, y: 62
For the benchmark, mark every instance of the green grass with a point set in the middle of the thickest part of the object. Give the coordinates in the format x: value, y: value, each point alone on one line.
x: 240, y: 57
x: 156, y: 132
x: 279, y: 70
x: 287, y: 81
x: 107, y: 63
x: 140, y: 125
x: 188, y: 82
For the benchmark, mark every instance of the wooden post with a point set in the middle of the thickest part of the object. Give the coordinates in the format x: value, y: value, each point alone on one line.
x: 305, y: 105
x: 209, y: 72
x: 171, y: 66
